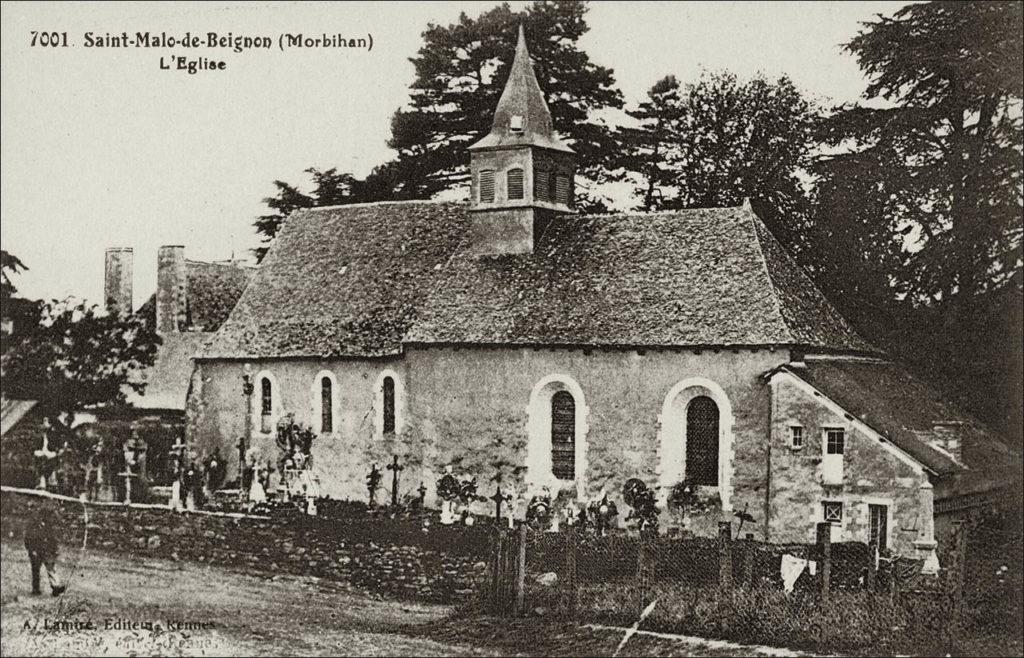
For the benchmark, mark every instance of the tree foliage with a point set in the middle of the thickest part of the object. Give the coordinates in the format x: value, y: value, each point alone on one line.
x: 77, y: 358
x: 919, y: 204
x: 460, y: 73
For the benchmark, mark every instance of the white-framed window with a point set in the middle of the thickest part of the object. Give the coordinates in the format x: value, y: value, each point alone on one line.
x: 835, y: 441
x: 515, y: 123
x: 266, y: 403
x: 796, y: 436
x: 389, y: 401
x: 878, y: 525
x: 833, y: 448
x: 326, y: 398
x: 832, y: 512
x: 556, y: 451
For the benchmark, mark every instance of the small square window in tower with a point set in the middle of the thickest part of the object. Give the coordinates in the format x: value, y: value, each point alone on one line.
x: 487, y: 186
x: 515, y: 123
x: 515, y: 183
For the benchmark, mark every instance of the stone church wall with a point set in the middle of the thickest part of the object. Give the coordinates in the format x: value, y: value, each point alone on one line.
x: 871, y: 474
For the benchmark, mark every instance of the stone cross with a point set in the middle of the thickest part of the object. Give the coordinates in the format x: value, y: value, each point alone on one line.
x: 128, y: 475
x: 498, y: 499
x: 395, y: 469
x: 177, y: 454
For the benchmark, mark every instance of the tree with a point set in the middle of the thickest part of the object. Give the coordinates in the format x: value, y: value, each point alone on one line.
x: 644, y: 150
x: 460, y: 73
x: 18, y: 313
x: 932, y: 180
x: 77, y: 358
x: 737, y: 140
x: 951, y: 73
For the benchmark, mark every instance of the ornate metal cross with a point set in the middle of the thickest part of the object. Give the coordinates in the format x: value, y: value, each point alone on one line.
x: 395, y: 470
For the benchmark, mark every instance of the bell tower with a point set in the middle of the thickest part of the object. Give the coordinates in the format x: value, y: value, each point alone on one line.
x: 522, y: 173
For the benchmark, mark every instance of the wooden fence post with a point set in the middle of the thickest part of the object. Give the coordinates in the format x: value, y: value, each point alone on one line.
x: 570, y: 570
x: 824, y: 537
x: 521, y: 571
x: 641, y: 573
x: 725, y: 554
x: 872, y: 572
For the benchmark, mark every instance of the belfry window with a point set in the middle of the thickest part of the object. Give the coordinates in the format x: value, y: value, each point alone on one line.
x: 515, y: 123
x: 389, y: 405
x: 562, y: 189
x: 541, y: 184
x: 326, y: 406
x: 515, y: 183
x: 702, y: 441
x: 563, y: 435
x: 487, y: 186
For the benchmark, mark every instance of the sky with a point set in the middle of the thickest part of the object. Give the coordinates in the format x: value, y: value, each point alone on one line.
x: 101, y: 148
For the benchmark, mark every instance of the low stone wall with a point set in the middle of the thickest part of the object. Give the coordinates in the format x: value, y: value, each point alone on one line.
x: 438, y: 565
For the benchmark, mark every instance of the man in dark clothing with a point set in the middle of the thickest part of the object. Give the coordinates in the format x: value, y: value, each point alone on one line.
x: 41, y: 541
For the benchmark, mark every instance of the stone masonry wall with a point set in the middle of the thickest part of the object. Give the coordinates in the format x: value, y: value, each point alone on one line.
x: 393, y: 557
x: 871, y: 475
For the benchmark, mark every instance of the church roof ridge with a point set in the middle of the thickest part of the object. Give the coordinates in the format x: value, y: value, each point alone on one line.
x: 367, y: 204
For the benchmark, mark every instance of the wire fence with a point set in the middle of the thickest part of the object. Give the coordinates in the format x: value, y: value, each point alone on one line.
x: 822, y: 596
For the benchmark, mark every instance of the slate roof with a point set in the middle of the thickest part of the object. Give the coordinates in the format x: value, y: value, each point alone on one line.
x: 213, y: 290
x: 342, y: 281
x: 522, y: 97
x: 693, y: 277
x: 903, y: 409
x: 361, y: 280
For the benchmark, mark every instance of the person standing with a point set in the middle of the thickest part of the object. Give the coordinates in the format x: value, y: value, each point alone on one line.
x: 41, y: 542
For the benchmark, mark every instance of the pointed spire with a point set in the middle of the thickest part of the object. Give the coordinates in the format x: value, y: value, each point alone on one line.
x: 522, y: 116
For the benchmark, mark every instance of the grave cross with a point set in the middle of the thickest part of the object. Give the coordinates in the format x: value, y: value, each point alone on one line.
x: 498, y: 499
x: 422, y: 490
x: 395, y: 469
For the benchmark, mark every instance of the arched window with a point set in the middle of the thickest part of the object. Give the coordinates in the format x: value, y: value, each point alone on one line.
x: 487, y: 186
x: 326, y: 405
x: 266, y: 405
x: 702, y: 441
x: 563, y: 435
x: 515, y: 183
x: 389, y: 405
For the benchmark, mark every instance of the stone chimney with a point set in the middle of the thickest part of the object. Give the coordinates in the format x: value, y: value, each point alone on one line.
x: 117, y: 280
x: 171, y: 289
x: 946, y: 435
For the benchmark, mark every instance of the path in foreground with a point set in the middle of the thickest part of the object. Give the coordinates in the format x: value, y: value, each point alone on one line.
x: 250, y: 614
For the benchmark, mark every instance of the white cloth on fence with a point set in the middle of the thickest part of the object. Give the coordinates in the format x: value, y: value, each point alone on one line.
x: 792, y: 567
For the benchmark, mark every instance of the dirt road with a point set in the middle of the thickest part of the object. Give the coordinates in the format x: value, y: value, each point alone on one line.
x: 138, y: 606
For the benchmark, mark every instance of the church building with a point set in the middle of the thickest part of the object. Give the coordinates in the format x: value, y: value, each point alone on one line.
x: 567, y: 353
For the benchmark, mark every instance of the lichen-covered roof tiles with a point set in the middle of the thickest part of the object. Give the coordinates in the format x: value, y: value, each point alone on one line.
x: 361, y: 280
x: 213, y: 289
x: 884, y: 396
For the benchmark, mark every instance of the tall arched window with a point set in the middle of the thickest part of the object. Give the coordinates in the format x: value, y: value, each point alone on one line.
x: 487, y: 186
x: 702, y: 441
x: 515, y: 183
x: 389, y: 405
x: 326, y: 405
x: 266, y: 404
x: 563, y: 435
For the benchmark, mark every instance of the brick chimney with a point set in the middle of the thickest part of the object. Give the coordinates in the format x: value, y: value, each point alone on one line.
x: 946, y: 435
x: 171, y: 289
x: 117, y: 280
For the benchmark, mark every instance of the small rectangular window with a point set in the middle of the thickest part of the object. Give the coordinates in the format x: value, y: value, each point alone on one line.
x: 832, y: 511
x: 835, y: 441
x: 796, y: 436
x: 487, y: 186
